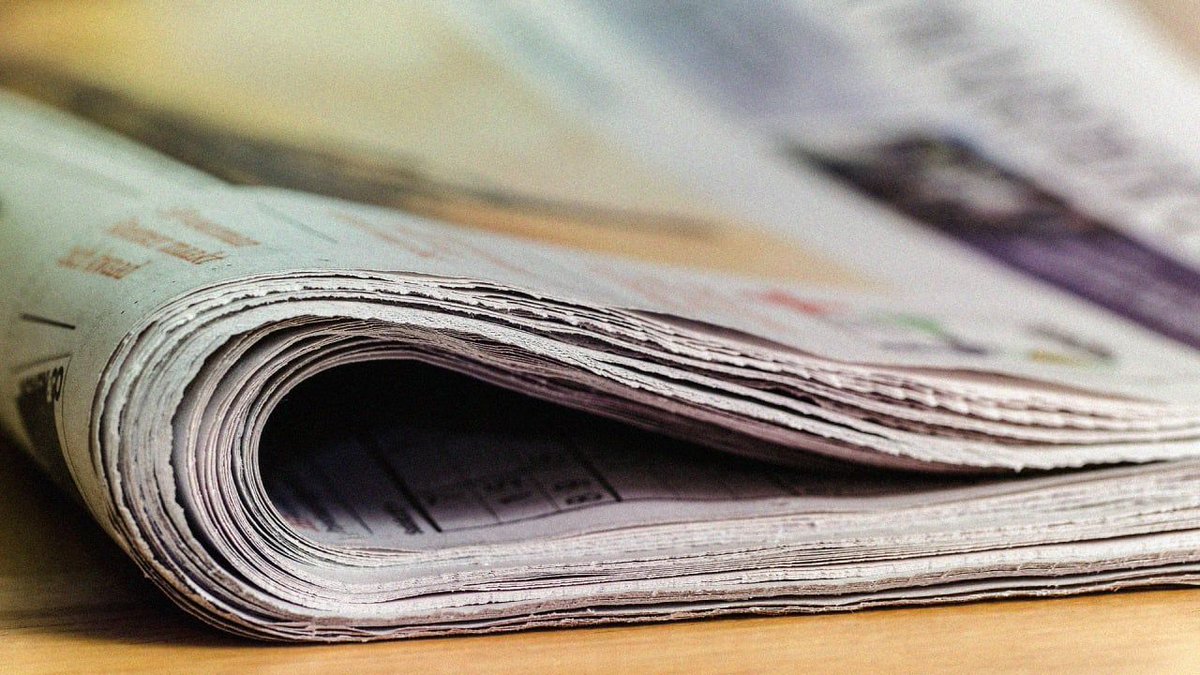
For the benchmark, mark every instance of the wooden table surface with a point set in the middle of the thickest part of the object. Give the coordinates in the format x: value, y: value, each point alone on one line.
x: 70, y: 602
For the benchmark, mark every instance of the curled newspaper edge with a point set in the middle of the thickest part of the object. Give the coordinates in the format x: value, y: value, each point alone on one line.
x: 306, y: 418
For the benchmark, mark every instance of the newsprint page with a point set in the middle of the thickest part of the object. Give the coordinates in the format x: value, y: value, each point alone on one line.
x: 638, y: 311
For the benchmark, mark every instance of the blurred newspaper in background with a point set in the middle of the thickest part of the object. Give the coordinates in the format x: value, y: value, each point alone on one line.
x: 374, y: 320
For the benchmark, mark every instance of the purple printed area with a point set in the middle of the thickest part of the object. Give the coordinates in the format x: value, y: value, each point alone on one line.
x: 1107, y: 268
x: 948, y: 186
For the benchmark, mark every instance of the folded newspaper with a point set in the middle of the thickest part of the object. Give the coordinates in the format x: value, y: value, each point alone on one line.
x: 910, y: 315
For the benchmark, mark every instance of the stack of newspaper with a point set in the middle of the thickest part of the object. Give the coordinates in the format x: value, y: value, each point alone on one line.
x: 322, y: 396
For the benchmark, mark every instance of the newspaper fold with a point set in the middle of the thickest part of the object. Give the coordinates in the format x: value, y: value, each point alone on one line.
x: 311, y: 419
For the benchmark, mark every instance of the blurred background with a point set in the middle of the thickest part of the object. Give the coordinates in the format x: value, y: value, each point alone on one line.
x: 406, y: 104
x: 403, y: 104
x: 412, y: 105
